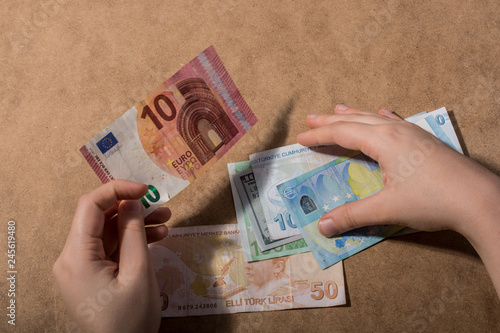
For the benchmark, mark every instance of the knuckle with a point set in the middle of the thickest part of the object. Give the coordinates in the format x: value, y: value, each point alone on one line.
x: 84, y: 199
x: 134, y: 226
x: 391, y: 131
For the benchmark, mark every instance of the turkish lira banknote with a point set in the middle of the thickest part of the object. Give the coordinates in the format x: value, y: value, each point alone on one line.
x: 202, y: 271
x: 255, y: 241
x: 314, y: 193
x: 175, y: 133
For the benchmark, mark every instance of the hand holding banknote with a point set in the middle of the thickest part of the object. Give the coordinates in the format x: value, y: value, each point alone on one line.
x: 427, y: 185
x: 105, y: 273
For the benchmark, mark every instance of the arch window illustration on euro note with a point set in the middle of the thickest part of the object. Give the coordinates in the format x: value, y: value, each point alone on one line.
x: 307, y: 204
x: 202, y: 121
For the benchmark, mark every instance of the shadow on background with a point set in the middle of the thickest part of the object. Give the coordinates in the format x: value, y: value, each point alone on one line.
x: 207, y: 214
x: 212, y: 323
x: 444, y: 240
x: 486, y: 162
x: 460, y: 137
x: 483, y: 161
x: 223, y: 198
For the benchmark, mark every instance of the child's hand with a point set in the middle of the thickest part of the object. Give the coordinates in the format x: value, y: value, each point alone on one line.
x: 105, y: 273
x: 427, y: 185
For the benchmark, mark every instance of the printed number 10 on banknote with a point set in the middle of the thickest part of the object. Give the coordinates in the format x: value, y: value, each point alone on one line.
x: 174, y: 134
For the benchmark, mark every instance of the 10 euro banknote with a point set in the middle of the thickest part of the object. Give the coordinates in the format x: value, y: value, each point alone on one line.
x: 202, y: 271
x: 175, y: 133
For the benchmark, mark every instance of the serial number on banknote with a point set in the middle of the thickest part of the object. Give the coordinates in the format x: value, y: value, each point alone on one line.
x: 197, y: 306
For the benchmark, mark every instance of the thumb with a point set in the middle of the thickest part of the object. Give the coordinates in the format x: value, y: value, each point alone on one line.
x: 133, y: 249
x: 364, y: 212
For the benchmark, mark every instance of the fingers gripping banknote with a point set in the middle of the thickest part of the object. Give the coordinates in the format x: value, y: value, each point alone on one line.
x: 174, y: 134
x: 311, y: 195
x: 276, y: 166
x: 352, y: 177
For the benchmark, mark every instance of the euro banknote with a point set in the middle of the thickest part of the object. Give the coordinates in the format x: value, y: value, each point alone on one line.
x: 255, y: 241
x: 441, y: 120
x: 278, y: 165
x: 311, y: 195
x: 202, y: 271
x: 273, y: 167
x: 174, y: 134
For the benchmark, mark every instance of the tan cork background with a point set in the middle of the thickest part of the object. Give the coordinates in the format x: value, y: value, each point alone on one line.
x: 69, y: 68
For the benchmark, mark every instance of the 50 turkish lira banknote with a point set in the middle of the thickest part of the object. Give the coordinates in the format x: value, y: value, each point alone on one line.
x: 202, y: 271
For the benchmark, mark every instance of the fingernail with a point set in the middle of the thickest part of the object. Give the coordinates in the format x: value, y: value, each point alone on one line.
x: 162, y: 229
x: 342, y: 107
x: 386, y: 111
x: 132, y: 206
x: 327, y: 228
x: 311, y: 116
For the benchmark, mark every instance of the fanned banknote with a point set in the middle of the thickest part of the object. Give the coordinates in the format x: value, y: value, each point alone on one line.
x: 174, y: 134
x: 273, y: 167
x: 255, y: 241
x: 201, y: 271
x: 311, y: 195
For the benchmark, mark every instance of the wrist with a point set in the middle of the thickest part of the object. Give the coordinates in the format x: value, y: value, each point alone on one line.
x: 483, y: 228
x: 480, y: 216
x: 486, y: 241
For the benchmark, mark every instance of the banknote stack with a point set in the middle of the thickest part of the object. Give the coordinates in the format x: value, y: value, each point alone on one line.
x: 274, y: 258
x: 280, y: 195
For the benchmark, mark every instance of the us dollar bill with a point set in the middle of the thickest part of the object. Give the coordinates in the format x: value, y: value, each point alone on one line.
x: 256, y: 243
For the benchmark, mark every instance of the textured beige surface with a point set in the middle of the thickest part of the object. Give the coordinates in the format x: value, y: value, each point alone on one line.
x: 69, y: 68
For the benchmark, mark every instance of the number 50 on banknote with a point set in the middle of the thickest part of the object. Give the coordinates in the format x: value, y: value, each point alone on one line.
x: 174, y: 134
x: 202, y: 271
